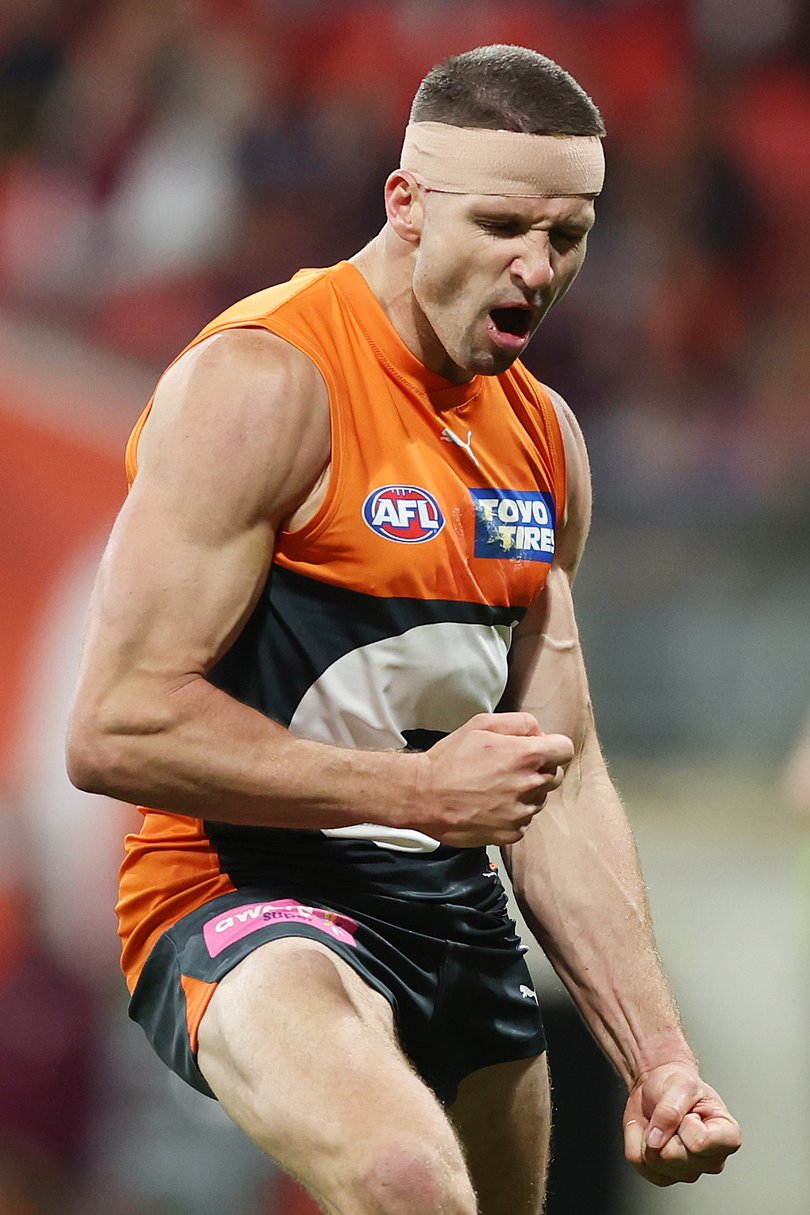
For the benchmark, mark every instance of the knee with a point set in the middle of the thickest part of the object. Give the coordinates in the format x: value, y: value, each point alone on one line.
x: 408, y: 1179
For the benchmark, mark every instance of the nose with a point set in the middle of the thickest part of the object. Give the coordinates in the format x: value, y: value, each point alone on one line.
x: 533, y: 266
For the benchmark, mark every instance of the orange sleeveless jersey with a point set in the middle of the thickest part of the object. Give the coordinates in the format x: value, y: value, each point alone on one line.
x: 386, y: 620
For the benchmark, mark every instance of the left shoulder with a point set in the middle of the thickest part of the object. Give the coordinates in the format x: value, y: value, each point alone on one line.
x: 576, y: 522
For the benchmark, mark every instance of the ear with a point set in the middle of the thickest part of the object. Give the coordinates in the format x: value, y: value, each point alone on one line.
x: 405, y: 205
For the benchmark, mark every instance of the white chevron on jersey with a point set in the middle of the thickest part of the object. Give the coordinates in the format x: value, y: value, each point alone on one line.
x: 432, y: 677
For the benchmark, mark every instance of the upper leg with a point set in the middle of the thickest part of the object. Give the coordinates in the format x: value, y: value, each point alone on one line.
x: 302, y: 1053
x: 502, y: 1115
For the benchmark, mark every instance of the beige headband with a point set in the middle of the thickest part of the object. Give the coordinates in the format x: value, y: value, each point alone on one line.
x: 463, y: 160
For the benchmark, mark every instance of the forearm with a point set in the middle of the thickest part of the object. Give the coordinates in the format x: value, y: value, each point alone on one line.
x: 578, y: 883
x: 197, y: 751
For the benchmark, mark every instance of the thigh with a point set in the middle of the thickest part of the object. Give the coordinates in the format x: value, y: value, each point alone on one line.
x: 303, y: 1055
x: 502, y: 1116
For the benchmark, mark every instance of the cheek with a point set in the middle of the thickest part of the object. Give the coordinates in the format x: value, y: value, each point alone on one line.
x: 445, y: 294
x: 443, y: 273
x: 433, y: 274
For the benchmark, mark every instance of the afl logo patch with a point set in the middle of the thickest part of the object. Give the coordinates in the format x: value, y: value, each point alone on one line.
x: 404, y: 513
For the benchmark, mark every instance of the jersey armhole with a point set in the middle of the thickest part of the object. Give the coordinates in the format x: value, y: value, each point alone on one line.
x: 131, y: 456
x: 557, y: 445
x: 324, y: 512
x: 336, y: 430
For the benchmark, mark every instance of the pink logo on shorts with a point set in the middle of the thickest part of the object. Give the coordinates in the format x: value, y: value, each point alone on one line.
x: 224, y: 930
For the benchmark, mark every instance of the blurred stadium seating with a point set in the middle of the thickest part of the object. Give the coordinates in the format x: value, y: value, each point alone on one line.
x: 161, y: 158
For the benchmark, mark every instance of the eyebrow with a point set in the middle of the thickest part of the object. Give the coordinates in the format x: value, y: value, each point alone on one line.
x: 502, y: 213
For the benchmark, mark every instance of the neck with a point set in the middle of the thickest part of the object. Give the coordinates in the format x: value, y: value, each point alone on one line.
x: 387, y: 263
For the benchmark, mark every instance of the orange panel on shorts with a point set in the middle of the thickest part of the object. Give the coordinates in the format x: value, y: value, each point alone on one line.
x: 198, y: 995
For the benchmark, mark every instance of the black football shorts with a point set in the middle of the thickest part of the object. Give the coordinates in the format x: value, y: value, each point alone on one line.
x: 449, y: 963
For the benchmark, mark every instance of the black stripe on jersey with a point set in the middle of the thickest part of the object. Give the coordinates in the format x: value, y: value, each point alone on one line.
x: 422, y: 740
x: 300, y: 626
x: 311, y: 865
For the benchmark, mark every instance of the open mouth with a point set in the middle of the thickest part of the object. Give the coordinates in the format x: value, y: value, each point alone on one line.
x: 514, y: 321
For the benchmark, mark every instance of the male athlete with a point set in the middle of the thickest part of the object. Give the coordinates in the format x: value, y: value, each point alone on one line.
x: 333, y: 644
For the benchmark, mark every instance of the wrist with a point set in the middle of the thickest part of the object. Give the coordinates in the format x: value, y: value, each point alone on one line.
x: 665, y: 1048
x: 401, y: 776
x: 409, y: 792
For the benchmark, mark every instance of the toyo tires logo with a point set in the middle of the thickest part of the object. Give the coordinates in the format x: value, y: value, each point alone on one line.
x: 514, y: 523
x: 404, y: 513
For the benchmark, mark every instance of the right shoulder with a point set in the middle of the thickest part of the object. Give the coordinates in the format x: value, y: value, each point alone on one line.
x: 240, y: 362
x: 244, y: 398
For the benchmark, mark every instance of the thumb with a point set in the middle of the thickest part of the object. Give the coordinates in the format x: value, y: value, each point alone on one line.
x: 507, y: 723
x: 558, y: 749
x: 668, y: 1114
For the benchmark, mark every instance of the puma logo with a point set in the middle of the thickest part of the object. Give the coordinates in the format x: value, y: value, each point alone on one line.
x: 450, y: 437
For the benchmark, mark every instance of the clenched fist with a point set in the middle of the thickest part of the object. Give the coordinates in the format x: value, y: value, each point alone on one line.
x: 484, y: 783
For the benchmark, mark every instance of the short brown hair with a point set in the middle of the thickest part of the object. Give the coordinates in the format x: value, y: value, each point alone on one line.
x: 510, y: 88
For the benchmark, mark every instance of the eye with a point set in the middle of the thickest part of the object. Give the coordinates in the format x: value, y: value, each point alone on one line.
x: 500, y: 227
x: 567, y: 238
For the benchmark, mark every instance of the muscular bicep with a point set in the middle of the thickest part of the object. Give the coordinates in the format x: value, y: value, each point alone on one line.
x: 547, y: 674
x: 237, y: 436
x: 573, y: 533
x: 172, y: 593
x: 546, y: 667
